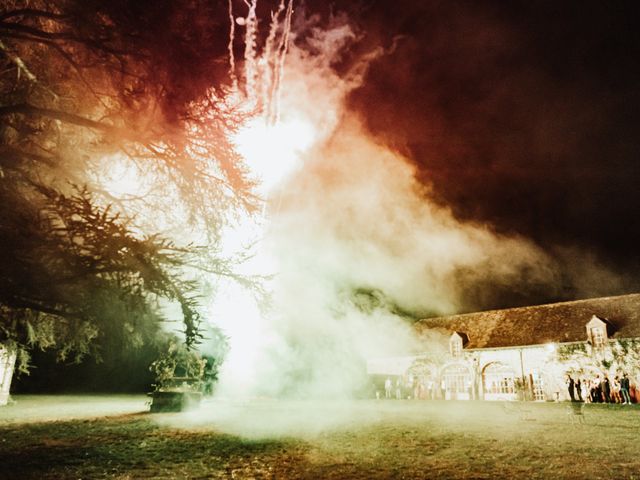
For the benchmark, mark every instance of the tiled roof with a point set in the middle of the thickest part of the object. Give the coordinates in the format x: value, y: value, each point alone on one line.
x: 556, y: 322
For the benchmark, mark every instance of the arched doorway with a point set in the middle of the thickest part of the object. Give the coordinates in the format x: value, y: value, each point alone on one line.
x: 498, y: 382
x: 456, y: 382
x: 425, y: 384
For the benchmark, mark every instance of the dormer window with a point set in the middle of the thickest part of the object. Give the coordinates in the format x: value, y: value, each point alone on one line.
x: 597, y: 332
x: 456, y: 344
x: 597, y: 336
x: 456, y: 347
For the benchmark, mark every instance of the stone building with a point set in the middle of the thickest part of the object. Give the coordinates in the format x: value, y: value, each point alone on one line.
x: 522, y: 353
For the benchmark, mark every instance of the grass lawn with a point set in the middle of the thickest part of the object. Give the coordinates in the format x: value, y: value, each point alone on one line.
x: 112, y: 437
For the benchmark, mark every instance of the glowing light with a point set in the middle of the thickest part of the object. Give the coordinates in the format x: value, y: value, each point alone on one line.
x: 272, y: 152
x: 120, y: 177
x: 237, y: 313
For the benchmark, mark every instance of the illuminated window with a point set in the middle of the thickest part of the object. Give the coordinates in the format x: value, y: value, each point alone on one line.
x: 456, y: 379
x: 456, y: 347
x: 597, y: 336
x: 456, y: 344
x: 597, y: 331
x: 499, y: 378
x: 537, y: 385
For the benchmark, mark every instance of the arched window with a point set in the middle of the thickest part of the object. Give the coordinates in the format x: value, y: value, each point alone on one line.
x: 498, y: 379
x: 426, y: 380
x: 456, y: 382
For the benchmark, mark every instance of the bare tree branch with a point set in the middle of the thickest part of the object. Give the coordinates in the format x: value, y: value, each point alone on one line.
x: 18, y: 61
x: 27, y: 109
x: 96, y: 44
x: 33, y: 12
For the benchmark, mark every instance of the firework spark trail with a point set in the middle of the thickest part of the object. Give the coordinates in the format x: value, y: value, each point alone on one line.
x: 250, y: 46
x: 282, y: 54
x: 269, y: 71
x: 263, y: 73
x: 232, y: 59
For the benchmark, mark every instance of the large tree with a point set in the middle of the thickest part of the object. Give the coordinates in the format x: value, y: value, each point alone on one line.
x: 83, y: 84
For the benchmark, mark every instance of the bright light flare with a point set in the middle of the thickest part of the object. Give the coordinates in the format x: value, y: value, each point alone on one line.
x: 120, y: 177
x: 272, y: 152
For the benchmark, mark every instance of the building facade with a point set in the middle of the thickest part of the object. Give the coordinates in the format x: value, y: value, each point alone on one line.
x: 524, y: 353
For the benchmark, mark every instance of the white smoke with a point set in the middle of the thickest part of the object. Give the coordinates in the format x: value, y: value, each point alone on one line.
x: 353, y: 240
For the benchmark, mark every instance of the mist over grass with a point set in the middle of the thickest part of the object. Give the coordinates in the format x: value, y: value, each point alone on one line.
x: 376, y: 440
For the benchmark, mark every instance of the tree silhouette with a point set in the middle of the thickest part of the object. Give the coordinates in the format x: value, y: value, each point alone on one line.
x: 80, y: 82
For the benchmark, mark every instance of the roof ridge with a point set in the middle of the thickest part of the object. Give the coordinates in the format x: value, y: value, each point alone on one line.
x: 529, y: 307
x: 538, y: 324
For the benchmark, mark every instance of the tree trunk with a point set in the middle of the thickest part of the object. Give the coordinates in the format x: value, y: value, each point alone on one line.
x: 7, y: 364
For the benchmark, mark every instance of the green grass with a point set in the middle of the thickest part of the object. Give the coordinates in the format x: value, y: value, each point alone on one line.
x: 326, y: 440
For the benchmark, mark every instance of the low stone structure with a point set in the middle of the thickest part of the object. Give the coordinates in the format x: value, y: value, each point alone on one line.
x: 177, y: 394
x: 522, y: 353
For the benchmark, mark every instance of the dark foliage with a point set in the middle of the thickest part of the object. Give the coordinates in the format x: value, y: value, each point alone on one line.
x: 79, y: 81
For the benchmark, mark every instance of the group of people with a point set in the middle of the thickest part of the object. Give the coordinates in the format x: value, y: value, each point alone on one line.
x: 412, y: 388
x: 600, y: 389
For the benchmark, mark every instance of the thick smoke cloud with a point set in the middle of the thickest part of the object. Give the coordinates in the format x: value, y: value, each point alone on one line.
x: 521, y: 116
x: 360, y: 247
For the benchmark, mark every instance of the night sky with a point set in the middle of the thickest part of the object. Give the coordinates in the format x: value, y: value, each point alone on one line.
x: 520, y: 115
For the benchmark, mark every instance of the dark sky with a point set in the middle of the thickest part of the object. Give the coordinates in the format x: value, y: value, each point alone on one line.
x: 522, y: 115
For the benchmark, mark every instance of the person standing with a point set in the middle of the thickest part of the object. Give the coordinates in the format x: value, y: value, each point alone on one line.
x: 585, y: 390
x: 606, y: 390
x: 615, y: 390
x: 571, y: 386
x: 387, y: 388
x: 624, y: 390
x: 578, y: 390
x: 597, y: 390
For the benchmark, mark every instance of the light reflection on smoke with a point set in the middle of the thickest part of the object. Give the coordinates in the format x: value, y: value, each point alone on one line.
x: 346, y: 216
